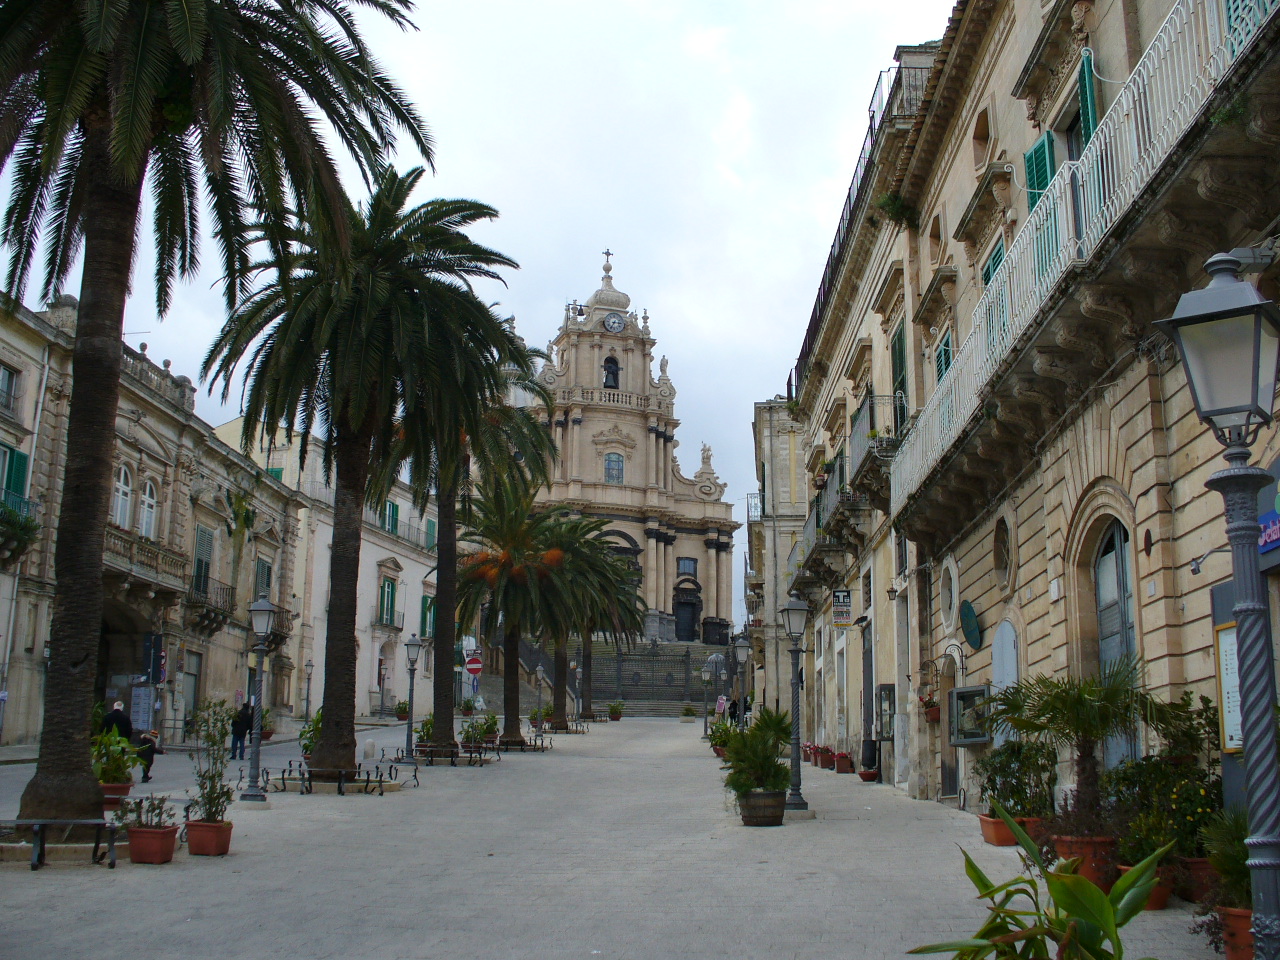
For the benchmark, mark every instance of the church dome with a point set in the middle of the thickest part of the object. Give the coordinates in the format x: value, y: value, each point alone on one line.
x: 607, y: 296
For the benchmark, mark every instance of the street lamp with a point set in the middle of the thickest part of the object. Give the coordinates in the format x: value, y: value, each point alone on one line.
x: 1229, y: 339
x: 794, y: 615
x: 577, y: 675
x: 541, y: 672
x: 742, y: 650
x: 412, y: 649
x: 309, y: 667
x: 706, y: 680
x: 260, y: 614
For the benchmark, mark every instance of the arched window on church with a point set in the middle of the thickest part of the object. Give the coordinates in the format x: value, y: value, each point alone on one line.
x: 611, y: 373
x: 613, y: 468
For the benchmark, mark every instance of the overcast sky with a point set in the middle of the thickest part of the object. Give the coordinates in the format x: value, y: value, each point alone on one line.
x: 709, y: 145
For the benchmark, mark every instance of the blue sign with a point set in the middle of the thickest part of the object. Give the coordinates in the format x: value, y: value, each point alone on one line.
x: 1269, y: 538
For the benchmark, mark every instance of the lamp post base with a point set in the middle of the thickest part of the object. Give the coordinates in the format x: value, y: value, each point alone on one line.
x: 797, y: 802
x: 254, y: 794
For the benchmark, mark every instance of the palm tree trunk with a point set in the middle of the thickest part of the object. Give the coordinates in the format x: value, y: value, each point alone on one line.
x: 584, y: 688
x: 1087, y: 788
x: 511, y: 735
x: 64, y: 786
x: 446, y: 604
x: 560, y: 685
x: 336, y: 748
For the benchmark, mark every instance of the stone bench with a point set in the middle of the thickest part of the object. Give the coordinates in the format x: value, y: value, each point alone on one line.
x: 40, y: 833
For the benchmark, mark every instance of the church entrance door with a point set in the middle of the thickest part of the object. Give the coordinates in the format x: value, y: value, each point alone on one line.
x: 686, y: 620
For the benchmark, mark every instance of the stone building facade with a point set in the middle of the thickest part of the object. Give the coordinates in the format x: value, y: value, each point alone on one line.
x: 1017, y: 465
x: 195, y: 532
x: 615, y: 426
x: 395, y: 589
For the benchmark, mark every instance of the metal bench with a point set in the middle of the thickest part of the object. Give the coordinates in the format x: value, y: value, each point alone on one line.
x: 40, y: 831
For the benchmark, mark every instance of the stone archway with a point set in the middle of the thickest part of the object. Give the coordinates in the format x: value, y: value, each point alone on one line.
x: 119, y: 652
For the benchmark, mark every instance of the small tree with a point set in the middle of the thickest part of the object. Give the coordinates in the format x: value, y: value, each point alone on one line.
x: 212, y: 727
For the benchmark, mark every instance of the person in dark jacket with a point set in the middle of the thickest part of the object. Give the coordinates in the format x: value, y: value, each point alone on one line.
x: 148, y: 747
x: 240, y: 727
x: 118, y: 720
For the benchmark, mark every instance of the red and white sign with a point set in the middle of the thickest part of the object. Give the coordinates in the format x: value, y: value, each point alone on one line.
x: 474, y: 666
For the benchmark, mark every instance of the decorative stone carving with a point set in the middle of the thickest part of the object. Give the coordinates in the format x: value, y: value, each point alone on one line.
x: 1239, y: 182
x: 1199, y: 236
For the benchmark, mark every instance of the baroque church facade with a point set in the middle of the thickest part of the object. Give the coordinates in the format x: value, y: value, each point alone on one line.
x: 615, y: 427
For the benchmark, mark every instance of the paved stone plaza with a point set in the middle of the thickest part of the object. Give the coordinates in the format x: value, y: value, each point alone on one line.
x: 619, y: 844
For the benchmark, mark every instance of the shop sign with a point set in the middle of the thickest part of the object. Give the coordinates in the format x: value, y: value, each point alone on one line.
x: 842, y: 608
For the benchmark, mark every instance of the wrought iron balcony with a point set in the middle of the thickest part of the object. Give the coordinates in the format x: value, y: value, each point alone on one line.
x: 816, y: 556
x: 19, y: 505
x: 390, y: 619
x: 755, y: 508
x: 875, y: 430
x: 210, y: 603
x: 1194, y: 49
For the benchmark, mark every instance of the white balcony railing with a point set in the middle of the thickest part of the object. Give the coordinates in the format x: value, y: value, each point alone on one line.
x: 1194, y: 48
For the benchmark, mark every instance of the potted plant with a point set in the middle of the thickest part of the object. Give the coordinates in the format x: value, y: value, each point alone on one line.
x: 1080, y: 714
x: 718, y: 736
x: 152, y: 832
x: 268, y: 725
x: 17, y: 533
x: 309, y: 735
x: 827, y: 758
x: 756, y: 776
x: 806, y: 752
x: 467, y: 707
x: 615, y: 710
x: 1019, y: 775
x: 932, y: 710
x: 844, y: 762
x: 402, y: 710
x: 425, y: 731
x: 113, y: 761
x: 1148, y: 833
x: 688, y: 714
x: 1224, y: 843
x: 209, y: 833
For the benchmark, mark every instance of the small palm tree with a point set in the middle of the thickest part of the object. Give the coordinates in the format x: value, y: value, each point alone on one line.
x: 339, y: 344
x: 193, y: 99
x: 1078, y: 714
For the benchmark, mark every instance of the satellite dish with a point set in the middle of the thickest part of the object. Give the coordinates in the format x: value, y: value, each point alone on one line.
x: 969, y: 625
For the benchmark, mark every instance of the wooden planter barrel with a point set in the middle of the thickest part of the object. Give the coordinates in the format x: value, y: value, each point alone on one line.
x: 762, y: 808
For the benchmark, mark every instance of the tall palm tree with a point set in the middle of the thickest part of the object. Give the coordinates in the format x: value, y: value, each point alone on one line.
x: 337, y: 344
x: 616, y: 614
x: 99, y: 100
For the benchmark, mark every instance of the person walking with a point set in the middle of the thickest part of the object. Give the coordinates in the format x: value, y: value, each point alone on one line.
x: 149, y: 746
x: 118, y: 720
x: 240, y: 727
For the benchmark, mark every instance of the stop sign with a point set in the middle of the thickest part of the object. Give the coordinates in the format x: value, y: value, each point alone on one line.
x: 474, y: 666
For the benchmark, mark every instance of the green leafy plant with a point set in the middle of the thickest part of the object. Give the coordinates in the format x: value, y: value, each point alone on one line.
x: 1188, y: 794
x: 898, y: 210
x: 18, y: 532
x: 775, y: 725
x: 1145, y: 834
x: 426, y: 728
x: 114, y: 758
x: 1224, y: 836
x: 488, y: 725
x: 688, y: 711
x: 1191, y: 730
x: 615, y: 708
x: 718, y: 735
x: 309, y: 735
x: 402, y: 706
x: 267, y: 722
x: 211, y: 724
x: 149, y: 812
x: 1020, y: 775
x: 751, y: 759
x: 1054, y: 914
x: 468, y: 705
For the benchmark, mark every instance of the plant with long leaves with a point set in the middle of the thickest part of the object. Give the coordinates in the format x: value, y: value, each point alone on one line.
x: 101, y: 100
x: 338, y: 345
x: 1078, y: 714
x: 1070, y: 918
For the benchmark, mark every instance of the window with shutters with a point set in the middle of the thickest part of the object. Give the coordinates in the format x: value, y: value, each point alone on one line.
x: 431, y: 534
x: 262, y: 579
x: 13, y: 475
x: 387, y: 602
x: 1113, y: 593
x: 943, y: 354
x: 9, y: 389
x: 993, y: 263
x: 1038, y: 163
x: 427, y: 621
x: 147, y: 510
x: 122, y: 497
x: 391, y: 517
x: 898, y: 359
x: 203, y: 560
x: 997, y: 300
x: 1088, y: 97
x: 276, y: 473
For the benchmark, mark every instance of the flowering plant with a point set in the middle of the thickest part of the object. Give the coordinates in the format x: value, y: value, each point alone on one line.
x: 824, y: 750
x: 842, y: 755
x: 928, y: 701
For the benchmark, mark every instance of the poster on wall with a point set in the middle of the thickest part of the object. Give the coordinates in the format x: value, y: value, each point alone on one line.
x: 1224, y: 641
x: 842, y: 608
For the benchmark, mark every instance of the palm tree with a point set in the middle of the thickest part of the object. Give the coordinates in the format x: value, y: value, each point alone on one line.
x: 1078, y: 714
x: 98, y: 100
x: 338, y: 345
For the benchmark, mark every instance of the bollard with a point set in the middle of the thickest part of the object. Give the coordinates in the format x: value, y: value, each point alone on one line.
x: 368, y: 749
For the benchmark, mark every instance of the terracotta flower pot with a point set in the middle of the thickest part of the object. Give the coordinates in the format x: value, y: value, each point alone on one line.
x: 815, y: 758
x: 762, y: 808
x: 1196, y: 880
x: 207, y: 838
x: 718, y: 751
x: 1237, y: 937
x: 267, y: 735
x: 152, y: 844
x: 113, y: 793
x: 1097, y: 857
x: 933, y: 714
x: 1160, y: 893
x: 615, y: 716
x: 844, y: 765
x: 997, y: 833
x: 805, y: 755
x: 402, y: 716
x: 868, y: 775
x: 828, y: 761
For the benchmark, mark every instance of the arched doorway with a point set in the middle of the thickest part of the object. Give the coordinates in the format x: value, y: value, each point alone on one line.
x: 687, y: 601
x: 1113, y: 595
x: 1004, y: 666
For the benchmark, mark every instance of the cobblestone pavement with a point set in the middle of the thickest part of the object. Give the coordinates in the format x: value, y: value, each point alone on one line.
x: 619, y: 844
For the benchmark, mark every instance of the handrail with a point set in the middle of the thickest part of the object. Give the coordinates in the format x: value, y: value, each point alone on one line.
x: 1167, y: 90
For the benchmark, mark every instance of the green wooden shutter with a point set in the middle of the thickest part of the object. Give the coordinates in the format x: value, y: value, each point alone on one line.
x: 993, y: 263
x: 276, y: 473
x: 203, y: 559
x: 427, y: 622
x: 942, y: 356
x: 391, y: 517
x: 1088, y: 99
x: 262, y: 580
x: 431, y: 534
x: 1039, y: 166
x: 898, y: 357
x: 15, y: 480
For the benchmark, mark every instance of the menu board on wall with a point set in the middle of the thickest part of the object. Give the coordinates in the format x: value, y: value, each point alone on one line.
x: 1224, y: 641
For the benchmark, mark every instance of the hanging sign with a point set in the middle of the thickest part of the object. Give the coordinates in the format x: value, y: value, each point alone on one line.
x: 842, y: 608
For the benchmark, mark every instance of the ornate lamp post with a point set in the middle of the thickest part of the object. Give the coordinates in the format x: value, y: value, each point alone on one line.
x: 742, y: 650
x: 412, y: 649
x: 260, y: 614
x: 706, y: 681
x: 309, y: 667
x: 577, y: 674
x: 1229, y: 339
x: 541, y: 672
x: 794, y: 615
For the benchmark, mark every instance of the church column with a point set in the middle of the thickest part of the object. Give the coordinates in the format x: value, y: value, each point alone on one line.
x: 726, y: 585
x: 655, y: 454
x: 669, y: 585
x: 575, y: 471
x: 651, y: 569
x: 667, y: 468
x: 711, y: 585
x: 660, y: 578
